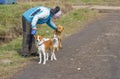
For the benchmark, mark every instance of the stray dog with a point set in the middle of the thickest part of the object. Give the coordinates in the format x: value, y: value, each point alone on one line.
x: 43, y: 46
x: 58, y: 34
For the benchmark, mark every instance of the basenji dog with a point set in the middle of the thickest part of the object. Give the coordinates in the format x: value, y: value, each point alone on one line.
x: 55, y: 41
x: 58, y: 33
x: 43, y: 46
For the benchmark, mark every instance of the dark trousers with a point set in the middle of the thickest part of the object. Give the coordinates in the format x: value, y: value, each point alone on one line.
x: 28, y: 43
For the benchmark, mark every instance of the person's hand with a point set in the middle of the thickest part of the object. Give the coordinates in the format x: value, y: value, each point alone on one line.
x: 33, y: 32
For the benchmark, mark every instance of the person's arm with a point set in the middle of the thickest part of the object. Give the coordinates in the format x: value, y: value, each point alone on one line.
x: 52, y: 25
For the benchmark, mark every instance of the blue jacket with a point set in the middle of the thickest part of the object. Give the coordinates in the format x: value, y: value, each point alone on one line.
x: 47, y: 20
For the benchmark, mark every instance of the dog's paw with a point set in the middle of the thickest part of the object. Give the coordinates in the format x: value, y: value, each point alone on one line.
x: 44, y: 63
x: 51, y: 59
x: 39, y: 62
x: 55, y: 59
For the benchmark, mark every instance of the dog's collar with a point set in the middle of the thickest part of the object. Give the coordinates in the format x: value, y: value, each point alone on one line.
x: 58, y: 32
x: 40, y: 44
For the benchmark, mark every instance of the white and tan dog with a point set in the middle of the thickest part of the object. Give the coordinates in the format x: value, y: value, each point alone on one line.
x: 43, y: 46
x: 58, y: 33
x: 55, y: 41
x: 57, y: 37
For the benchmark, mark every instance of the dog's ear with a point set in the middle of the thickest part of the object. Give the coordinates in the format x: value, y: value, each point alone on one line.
x: 42, y: 36
x: 58, y: 28
x: 62, y: 28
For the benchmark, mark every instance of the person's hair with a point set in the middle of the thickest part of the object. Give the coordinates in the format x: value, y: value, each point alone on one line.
x: 55, y: 10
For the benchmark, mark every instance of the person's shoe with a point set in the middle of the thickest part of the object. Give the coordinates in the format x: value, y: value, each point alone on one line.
x: 25, y: 55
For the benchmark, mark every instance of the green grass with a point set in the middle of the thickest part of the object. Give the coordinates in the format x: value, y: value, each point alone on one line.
x: 88, y: 1
x: 105, y: 2
x: 10, y: 16
x: 76, y: 19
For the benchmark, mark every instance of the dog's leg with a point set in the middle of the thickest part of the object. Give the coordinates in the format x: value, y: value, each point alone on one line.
x: 57, y: 49
x: 60, y: 44
x: 54, y: 57
x: 40, y: 57
x: 44, y: 56
x: 47, y: 56
x: 51, y: 56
